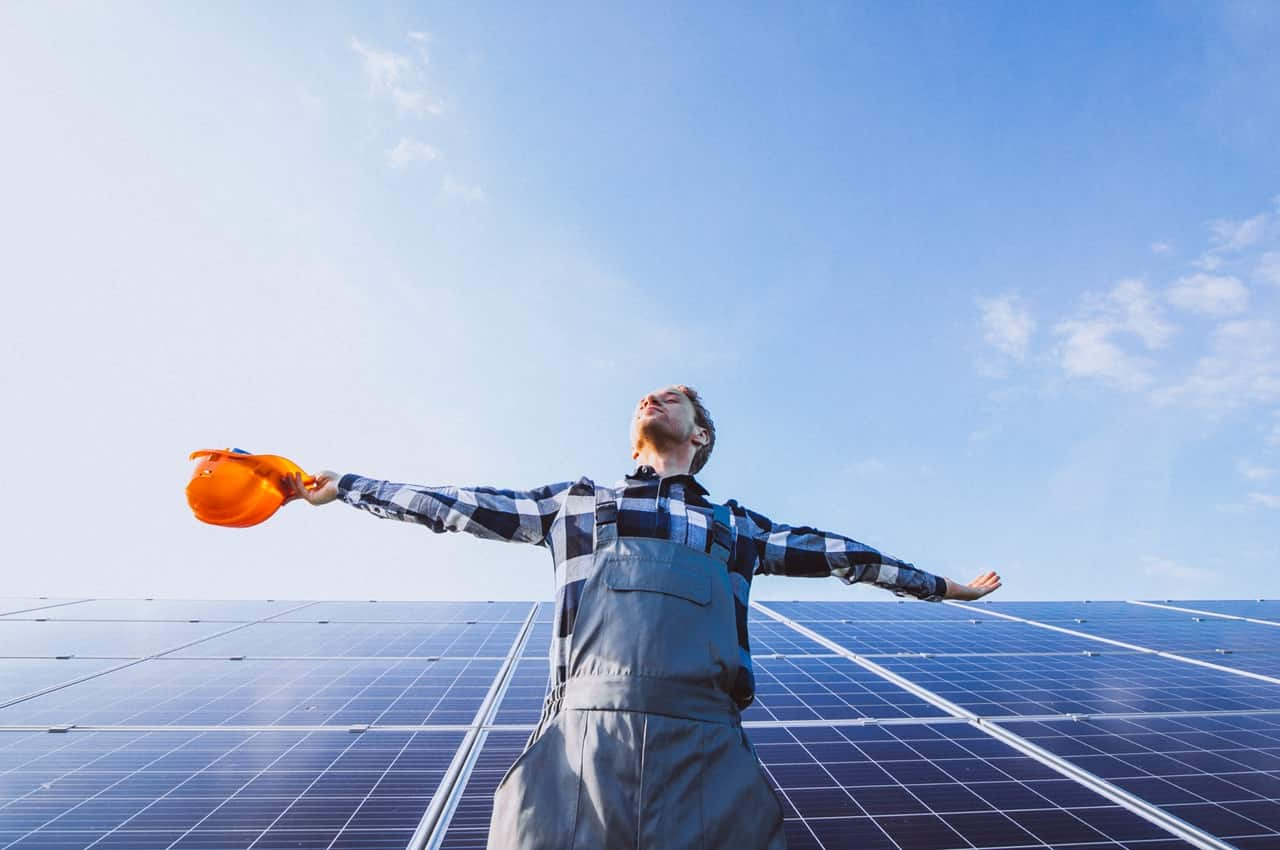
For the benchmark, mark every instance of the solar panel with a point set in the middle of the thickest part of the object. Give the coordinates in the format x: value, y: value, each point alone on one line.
x: 879, y: 612
x: 132, y: 639
x: 1221, y: 772
x: 1262, y: 609
x: 422, y: 612
x: 20, y: 604
x: 830, y: 688
x: 218, y: 789
x: 165, y: 609
x: 958, y: 636
x: 195, y: 750
x: 1105, y: 683
x: 163, y: 692
x: 372, y: 640
x: 22, y: 676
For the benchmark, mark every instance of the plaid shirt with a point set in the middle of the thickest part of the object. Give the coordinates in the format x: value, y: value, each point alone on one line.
x: 562, y: 518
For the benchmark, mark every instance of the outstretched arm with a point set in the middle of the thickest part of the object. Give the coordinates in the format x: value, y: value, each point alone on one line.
x: 804, y: 551
x: 517, y: 516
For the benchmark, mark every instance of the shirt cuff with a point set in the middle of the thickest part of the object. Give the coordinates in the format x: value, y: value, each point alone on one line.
x: 351, y: 487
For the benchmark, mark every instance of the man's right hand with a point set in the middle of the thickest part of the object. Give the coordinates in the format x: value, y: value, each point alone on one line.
x: 323, y: 488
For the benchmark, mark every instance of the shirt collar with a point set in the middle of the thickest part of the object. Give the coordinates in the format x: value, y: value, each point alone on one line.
x: 644, y: 472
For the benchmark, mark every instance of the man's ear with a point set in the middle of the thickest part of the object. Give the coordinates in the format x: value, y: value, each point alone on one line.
x: 701, y: 432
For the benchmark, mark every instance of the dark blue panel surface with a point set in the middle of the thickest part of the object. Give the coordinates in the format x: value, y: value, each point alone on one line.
x: 218, y: 789
x: 164, y: 692
x: 539, y: 642
x: 29, y: 638
x: 791, y: 689
x: 374, y: 640
x: 877, y: 612
x: 934, y: 787
x: 422, y: 612
x: 526, y: 691
x: 468, y: 829
x: 1262, y: 609
x: 1112, y: 682
x: 976, y: 635
x: 912, y: 787
x: 1063, y: 613
x: 22, y: 676
x: 1220, y: 773
x: 1189, y: 633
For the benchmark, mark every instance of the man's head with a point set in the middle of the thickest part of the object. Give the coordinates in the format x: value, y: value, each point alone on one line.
x: 673, y: 418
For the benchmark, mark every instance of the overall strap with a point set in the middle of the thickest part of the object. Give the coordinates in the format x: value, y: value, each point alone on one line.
x: 721, y: 534
x: 606, y: 517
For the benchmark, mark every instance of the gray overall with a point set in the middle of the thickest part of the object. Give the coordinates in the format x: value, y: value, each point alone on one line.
x: 647, y: 751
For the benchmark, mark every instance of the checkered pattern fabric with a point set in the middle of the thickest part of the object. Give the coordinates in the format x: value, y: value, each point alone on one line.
x: 561, y: 518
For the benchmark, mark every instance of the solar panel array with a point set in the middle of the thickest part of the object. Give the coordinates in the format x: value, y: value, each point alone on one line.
x: 897, y: 725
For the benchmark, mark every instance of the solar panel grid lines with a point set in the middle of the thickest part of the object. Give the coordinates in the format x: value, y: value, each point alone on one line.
x: 382, y: 639
x: 445, y: 800
x: 1205, y: 613
x: 1138, y: 648
x: 1130, y: 802
x: 271, y: 692
x: 23, y: 604
x: 1220, y: 772
x: 1264, y: 611
x: 806, y: 696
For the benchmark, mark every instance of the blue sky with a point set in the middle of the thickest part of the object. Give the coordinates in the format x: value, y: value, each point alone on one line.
x: 993, y: 285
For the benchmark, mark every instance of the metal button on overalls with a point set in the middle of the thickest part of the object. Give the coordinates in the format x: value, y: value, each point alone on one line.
x: 646, y: 751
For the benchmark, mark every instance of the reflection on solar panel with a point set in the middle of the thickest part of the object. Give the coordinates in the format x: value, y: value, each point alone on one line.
x: 896, y: 725
x: 369, y: 640
x: 218, y: 789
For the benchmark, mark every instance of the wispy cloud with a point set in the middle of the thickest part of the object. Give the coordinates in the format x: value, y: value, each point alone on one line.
x: 1268, y: 268
x: 451, y: 187
x: 1159, y: 248
x: 398, y: 78
x: 1007, y: 325
x: 1092, y: 340
x: 410, y: 150
x: 1230, y: 236
x: 1266, y: 500
x: 1253, y: 471
x: 1210, y: 295
x: 1241, y: 368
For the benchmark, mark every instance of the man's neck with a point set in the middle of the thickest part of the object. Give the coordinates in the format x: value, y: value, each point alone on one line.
x: 665, y: 463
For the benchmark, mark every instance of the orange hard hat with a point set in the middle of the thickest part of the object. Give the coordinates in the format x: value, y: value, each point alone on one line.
x: 234, y: 488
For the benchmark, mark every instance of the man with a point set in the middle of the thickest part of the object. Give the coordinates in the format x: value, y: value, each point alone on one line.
x: 640, y: 744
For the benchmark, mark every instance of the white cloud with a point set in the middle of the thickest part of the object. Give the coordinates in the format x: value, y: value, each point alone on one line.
x: 410, y: 150
x: 1268, y: 268
x: 398, y: 78
x: 1090, y: 348
x: 1273, y: 436
x: 1266, y: 500
x: 1231, y: 236
x: 1007, y: 325
x: 1167, y: 569
x: 451, y: 187
x: 1161, y: 247
x: 1211, y: 295
x: 1254, y: 472
x: 1242, y: 368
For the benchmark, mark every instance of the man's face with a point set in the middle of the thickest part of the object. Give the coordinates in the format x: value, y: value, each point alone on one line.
x: 664, y: 418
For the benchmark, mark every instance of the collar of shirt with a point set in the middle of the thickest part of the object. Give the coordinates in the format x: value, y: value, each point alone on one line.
x: 645, y: 472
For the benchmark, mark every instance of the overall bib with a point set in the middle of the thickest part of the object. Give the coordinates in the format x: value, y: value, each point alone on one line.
x: 647, y: 751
